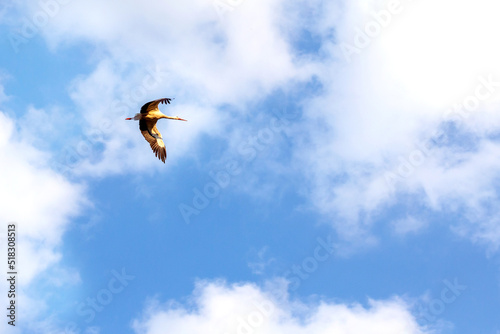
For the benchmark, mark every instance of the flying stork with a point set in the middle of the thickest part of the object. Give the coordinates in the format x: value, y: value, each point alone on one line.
x: 147, y: 118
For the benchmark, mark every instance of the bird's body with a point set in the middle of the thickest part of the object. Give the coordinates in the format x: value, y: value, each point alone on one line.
x: 147, y: 118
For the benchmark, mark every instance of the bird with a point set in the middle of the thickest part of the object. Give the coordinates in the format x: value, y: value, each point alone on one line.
x: 147, y: 118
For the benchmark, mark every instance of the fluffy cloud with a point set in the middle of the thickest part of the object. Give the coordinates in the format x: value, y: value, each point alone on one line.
x: 226, y: 58
x: 408, y: 109
x: 216, y: 307
x: 37, y: 199
x: 41, y: 203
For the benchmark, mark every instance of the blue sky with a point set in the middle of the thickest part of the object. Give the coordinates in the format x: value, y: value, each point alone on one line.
x: 338, y: 173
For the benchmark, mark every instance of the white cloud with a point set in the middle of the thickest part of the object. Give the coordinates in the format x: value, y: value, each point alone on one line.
x: 37, y: 199
x: 226, y: 59
x: 41, y: 203
x: 390, y: 100
x: 408, y: 225
x: 216, y: 307
x: 260, y: 260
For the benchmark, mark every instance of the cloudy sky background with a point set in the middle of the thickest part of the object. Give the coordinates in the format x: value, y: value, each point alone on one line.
x: 338, y: 173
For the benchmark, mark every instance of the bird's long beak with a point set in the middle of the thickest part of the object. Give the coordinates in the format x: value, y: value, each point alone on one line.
x: 181, y: 119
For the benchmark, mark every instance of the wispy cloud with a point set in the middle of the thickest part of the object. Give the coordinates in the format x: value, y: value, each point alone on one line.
x: 409, y: 225
x: 260, y: 260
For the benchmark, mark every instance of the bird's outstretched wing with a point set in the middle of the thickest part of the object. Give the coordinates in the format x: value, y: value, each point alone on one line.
x: 152, y: 105
x: 153, y: 136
